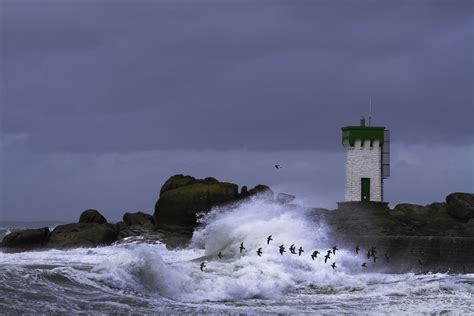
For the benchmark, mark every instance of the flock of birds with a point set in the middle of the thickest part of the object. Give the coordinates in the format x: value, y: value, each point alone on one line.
x: 371, y: 253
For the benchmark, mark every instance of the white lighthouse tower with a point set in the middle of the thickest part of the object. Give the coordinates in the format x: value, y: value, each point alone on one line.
x: 367, y: 161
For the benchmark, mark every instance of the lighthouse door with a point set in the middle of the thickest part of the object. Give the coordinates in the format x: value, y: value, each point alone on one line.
x: 365, y: 192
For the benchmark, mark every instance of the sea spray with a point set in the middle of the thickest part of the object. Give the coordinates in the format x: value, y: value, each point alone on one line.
x: 149, y: 278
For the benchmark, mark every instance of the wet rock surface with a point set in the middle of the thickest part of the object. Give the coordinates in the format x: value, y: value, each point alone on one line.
x: 82, y: 235
x: 26, y: 239
x: 461, y: 205
x: 92, y: 216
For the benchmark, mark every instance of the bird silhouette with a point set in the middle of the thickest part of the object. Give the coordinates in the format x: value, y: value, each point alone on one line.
x: 368, y: 254
x: 357, y: 249
x: 314, y: 254
x: 334, y: 249
x: 242, y: 247
x: 375, y: 259
x: 203, y: 265
x: 278, y: 166
x: 219, y: 255
x: 300, y: 250
x: 364, y: 265
x: 259, y: 252
x: 269, y: 238
x: 292, y: 249
x: 282, y: 249
x: 333, y: 265
x: 326, y: 257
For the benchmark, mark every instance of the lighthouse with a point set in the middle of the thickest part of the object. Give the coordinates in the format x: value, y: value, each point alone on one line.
x: 367, y: 161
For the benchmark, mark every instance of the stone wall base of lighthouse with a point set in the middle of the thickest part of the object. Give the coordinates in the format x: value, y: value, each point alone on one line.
x: 363, y: 205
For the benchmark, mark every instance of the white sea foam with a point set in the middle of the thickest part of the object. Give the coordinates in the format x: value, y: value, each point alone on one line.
x: 152, y: 273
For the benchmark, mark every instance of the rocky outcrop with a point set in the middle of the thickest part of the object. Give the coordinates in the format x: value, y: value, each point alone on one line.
x: 92, y: 216
x: 82, y: 235
x: 461, y: 205
x: 261, y: 190
x: 139, y: 219
x: 183, y: 197
x: 135, y: 224
x: 372, y: 218
x: 417, y: 238
x: 26, y: 239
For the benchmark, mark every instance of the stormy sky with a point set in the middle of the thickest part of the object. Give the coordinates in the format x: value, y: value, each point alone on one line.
x: 102, y: 101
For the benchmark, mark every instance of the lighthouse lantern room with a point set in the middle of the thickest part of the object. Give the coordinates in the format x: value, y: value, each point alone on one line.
x: 367, y: 161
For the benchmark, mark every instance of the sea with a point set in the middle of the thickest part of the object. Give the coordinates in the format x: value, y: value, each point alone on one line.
x: 145, y: 277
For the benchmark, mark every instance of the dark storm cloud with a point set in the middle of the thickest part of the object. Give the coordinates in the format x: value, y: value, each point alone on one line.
x: 102, y: 76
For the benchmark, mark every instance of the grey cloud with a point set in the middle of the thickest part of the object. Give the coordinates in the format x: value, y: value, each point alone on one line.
x: 133, y: 76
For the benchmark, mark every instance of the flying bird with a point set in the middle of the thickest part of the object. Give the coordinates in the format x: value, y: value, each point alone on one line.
x: 259, y: 252
x: 292, y: 249
x: 364, y: 265
x: 326, y: 258
x: 219, y: 255
x: 282, y: 249
x: 334, y: 249
x: 203, y: 265
x: 269, y: 238
x: 278, y: 166
x: 242, y: 247
x: 300, y: 250
x: 333, y: 265
x: 357, y: 249
x: 314, y: 254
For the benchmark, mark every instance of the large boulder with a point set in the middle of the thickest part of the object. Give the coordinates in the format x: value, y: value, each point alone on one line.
x: 92, y: 216
x: 139, y: 219
x: 182, y: 197
x: 178, y: 181
x: 82, y: 235
x: 461, y: 205
x: 429, y: 220
x: 26, y: 239
x: 261, y: 190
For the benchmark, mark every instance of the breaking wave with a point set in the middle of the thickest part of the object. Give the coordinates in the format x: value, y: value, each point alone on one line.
x: 143, y: 277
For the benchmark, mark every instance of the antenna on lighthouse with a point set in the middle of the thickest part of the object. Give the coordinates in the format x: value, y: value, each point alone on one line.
x: 370, y: 112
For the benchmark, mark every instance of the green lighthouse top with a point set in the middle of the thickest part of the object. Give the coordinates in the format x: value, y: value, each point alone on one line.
x: 362, y: 132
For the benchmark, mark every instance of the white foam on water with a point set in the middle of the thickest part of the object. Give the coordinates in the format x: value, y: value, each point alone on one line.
x: 270, y: 283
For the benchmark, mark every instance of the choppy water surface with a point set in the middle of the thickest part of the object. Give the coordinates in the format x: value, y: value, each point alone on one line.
x: 141, y: 277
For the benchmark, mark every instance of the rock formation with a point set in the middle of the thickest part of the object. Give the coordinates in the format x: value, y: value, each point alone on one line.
x: 82, y: 235
x: 461, y: 205
x: 92, y: 216
x: 26, y: 239
x: 183, y: 197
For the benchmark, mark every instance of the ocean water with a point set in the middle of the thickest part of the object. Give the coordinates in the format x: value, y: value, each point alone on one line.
x: 143, y: 277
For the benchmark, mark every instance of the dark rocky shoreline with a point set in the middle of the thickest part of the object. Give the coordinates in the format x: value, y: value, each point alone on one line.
x: 438, y: 237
